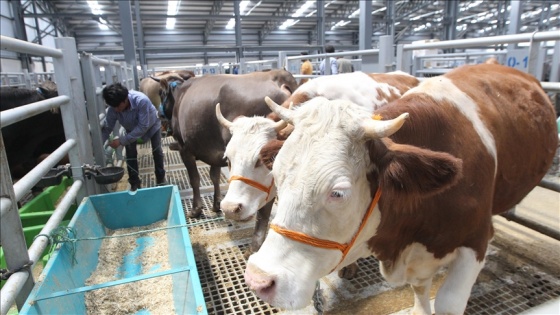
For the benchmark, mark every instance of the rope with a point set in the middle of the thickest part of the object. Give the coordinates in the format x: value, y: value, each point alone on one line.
x: 5, y: 273
x: 64, y: 234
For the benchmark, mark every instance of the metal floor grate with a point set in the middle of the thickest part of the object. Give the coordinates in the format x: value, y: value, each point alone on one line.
x: 504, y: 286
x: 223, y: 285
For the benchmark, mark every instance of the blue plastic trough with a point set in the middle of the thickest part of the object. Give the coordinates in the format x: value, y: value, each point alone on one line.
x: 63, y: 289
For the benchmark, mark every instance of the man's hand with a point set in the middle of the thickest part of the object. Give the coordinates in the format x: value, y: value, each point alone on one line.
x: 115, y: 143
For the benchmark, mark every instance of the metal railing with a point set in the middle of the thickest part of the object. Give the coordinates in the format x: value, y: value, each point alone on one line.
x: 77, y: 146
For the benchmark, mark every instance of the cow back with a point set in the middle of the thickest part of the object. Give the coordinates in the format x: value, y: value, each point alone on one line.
x: 500, y: 123
x: 195, y: 100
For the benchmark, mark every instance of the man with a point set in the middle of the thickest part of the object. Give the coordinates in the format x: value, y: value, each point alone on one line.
x: 306, y: 68
x: 139, y: 117
x: 334, y: 70
x: 344, y: 65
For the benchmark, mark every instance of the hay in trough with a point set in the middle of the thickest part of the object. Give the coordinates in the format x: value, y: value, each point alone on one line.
x: 154, y: 295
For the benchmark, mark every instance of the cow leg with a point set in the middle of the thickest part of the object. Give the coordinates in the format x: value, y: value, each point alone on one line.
x: 422, y: 298
x: 453, y: 295
x: 194, y: 178
x: 349, y: 271
x: 215, y: 172
x: 261, y: 227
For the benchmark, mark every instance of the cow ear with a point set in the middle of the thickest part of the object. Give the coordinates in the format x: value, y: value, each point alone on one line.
x: 269, y: 151
x: 411, y: 171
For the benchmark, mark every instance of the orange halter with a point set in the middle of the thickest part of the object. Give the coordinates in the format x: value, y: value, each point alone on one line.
x: 253, y: 183
x: 317, y: 242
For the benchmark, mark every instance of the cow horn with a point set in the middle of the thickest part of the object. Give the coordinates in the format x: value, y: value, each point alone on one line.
x: 384, y: 128
x: 284, y: 113
x: 155, y: 79
x: 279, y: 125
x: 223, y: 121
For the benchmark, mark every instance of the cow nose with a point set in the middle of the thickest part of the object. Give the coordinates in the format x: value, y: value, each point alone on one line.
x: 230, y: 209
x: 258, y: 280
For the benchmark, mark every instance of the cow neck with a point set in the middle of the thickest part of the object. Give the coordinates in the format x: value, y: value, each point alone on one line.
x: 253, y: 183
x: 317, y: 242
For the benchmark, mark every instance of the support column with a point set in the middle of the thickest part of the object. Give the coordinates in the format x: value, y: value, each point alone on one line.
x: 129, y: 46
x: 321, y: 26
x: 369, y: 62
x: 141, y: 53
x: 19, y: 32
x: 238, y: 40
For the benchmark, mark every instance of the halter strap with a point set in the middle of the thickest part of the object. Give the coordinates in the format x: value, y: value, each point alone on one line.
x: 317, y: 242
x: 253, y: 183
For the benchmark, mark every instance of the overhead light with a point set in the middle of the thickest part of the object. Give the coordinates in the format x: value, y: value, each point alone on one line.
x: 242, y: 6
x: 173, y: 7
x: 170, y: 23
x: 95, y: 7
x: 299, y: 12
x: 103, y: 24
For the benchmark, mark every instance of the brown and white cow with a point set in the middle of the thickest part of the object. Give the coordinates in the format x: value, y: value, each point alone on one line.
x: 251, y: 187
x: 371, y: 90
x: 194, y: 123
x: 417, y: 193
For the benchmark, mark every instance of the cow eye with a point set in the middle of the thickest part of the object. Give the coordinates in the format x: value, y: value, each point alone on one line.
x: 228, y: 164
x: 258, y: 163
x: 340, y: 191
x: 337, y: 194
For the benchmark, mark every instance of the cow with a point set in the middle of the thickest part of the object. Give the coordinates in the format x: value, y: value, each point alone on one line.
x: 251, y: 187
x: 28, y: 140
x: 151, y: 87
x: 417, y: 193
x: 196, y: 128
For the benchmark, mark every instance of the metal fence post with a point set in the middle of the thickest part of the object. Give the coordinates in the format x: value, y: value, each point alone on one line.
x: 69, y: 82
x: 90, y: 85
x: 11, y: 231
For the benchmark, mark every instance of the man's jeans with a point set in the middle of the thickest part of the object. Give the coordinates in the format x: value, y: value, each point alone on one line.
x: 132, y: 159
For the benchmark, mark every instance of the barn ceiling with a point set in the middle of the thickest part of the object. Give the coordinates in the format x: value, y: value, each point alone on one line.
x: 201, y: 30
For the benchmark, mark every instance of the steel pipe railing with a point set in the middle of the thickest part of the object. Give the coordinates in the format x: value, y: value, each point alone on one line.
x: 12, y: 44
x: 486, y: 41
x: 32, y: 178
x: 14, y: 115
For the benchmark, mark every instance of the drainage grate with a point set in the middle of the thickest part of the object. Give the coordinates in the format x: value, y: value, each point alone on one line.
x: 221, y: 273
x: 171, y: 158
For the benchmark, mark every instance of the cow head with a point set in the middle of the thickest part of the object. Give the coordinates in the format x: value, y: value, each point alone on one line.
x: 324, y: 179
x: 168, y: 84
x: 251, y: 185
x: 47, y: 89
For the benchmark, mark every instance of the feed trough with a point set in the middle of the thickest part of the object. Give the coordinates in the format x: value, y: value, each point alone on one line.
x: 63, y: 286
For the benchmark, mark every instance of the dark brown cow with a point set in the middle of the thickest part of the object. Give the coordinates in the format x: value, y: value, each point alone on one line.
x: 27, y: 140
x: 196, y: 128
x: 417, y: 193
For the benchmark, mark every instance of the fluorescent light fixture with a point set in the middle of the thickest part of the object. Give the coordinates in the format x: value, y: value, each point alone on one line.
x: 173, y: 7
x: 299, y: 12
x: 170, y: 23
x: 242, y: 6
x: 288, y: 23
x: 231, y: 24
x: 303, y: 8
x: 95, y: 7
x: 103, y: 24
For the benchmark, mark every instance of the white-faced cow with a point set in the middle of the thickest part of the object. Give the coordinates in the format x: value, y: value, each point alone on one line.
x: 27, y: 140
x: 194, y: 123
x: 417, y: 193
x: 251, y: 187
